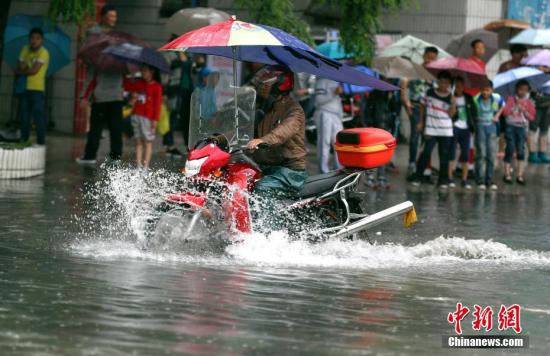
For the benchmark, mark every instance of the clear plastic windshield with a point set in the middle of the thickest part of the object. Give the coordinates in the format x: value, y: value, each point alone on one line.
x: 213, y: 111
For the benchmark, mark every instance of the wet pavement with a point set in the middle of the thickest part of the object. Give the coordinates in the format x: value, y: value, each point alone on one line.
x: 75, y: 280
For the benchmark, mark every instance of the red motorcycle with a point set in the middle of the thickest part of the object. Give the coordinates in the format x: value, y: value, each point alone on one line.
x: 219, y: 197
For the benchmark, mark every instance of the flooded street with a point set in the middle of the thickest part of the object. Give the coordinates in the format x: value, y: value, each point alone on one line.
x: 75, y: 279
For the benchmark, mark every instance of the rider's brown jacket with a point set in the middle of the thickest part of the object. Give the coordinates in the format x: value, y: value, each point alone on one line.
x: 283, y: 129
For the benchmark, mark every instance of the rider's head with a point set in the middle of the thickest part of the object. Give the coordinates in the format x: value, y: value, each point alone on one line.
x: 273, y: 81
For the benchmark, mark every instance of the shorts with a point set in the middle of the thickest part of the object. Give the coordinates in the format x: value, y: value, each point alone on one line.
x: 542, y: 120
x: 143, y: 128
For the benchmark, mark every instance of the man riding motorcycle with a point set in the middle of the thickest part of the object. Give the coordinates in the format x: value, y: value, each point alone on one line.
x: 280, y: 125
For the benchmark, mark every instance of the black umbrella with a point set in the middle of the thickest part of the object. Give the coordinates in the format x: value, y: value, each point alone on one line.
x: 140, y: 55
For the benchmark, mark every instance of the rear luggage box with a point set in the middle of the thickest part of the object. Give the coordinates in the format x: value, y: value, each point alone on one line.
x: 364, y: 147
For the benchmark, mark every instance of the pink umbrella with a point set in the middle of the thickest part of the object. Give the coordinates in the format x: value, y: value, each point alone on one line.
x: 541, y: 58
x: 474, y: 76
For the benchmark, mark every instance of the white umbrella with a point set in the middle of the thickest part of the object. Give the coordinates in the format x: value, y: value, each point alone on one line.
x: 412, y: 48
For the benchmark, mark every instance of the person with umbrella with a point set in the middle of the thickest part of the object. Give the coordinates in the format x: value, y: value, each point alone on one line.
x: 33, y: 65
x: 437, y: 108
x: 281, y: 127
x: 412, y: 92
x: 105, y: 90
x: 518, y: 53
x: 146, y: 97
x: 478, y: 55
x: 518, y: 111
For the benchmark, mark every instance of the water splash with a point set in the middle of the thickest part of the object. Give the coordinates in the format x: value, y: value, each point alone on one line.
x: 123, y: 202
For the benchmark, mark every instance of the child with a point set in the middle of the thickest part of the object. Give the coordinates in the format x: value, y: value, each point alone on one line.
x: 518, y: 111
x: 436, y: 110
x: 463, y: 127
x: 147, y: 100
x: 489, y: 107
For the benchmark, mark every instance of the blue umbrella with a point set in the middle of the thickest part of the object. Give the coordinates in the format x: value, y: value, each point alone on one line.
x: 139, y: 55
x: 505, y: 83
x: 57, y: 42
x: 352, y: 89
x: 334, y: 50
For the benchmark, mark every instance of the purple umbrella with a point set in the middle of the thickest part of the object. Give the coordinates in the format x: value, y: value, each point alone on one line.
x: 541, y: 58
x: 139, y: 55
x: 92, y: 51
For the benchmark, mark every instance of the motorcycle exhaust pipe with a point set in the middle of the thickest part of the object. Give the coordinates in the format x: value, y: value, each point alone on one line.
x: 376, y: 219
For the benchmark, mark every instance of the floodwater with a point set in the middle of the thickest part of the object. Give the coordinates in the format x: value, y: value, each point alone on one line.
x: 75, y: 279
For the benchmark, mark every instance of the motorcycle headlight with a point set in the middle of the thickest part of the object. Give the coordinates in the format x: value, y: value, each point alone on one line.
x: 193, y: 167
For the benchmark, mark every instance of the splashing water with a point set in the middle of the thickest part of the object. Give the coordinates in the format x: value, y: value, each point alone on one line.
x: 123, y: 201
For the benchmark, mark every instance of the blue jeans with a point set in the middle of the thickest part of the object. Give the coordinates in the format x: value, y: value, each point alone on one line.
x: 515, y: 141
x: 462, y: 139
x: 33, y: 108
x: 486, y: 149
x: 415, y: 135
x: 444, y: 150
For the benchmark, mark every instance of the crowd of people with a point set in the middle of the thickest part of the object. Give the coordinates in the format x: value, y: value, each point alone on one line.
x: 442, y: 112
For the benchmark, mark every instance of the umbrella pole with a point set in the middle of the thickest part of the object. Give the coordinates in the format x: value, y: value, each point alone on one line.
x: 234, y: 50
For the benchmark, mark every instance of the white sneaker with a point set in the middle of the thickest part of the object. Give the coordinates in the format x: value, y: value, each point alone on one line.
x: 494, y: 187
x: 85, y: 162
x: 452, y: 184
x: 481, y: 187
x: 443, y: 186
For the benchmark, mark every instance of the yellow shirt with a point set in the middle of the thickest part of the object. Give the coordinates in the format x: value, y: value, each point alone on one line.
x: 36, y: 81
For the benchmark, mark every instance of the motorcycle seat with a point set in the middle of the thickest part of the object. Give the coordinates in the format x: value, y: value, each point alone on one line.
x: 320, y: 183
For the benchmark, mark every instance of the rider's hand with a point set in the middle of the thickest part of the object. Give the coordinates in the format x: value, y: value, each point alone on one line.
x: 253, y: 144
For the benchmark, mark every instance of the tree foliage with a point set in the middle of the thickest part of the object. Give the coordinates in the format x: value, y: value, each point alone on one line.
x: 360, y: 21
x: 71, y: 11
x: 277, y: 13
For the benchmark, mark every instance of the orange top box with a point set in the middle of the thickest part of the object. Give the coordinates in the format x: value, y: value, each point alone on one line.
x: 364, y: 147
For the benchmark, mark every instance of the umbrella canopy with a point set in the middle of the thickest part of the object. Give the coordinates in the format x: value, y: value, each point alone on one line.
x: 334, y: 50
x: 92, y: 51
x: 541, y: 58
x: 268, y: 45
x: 139, y: 55
x: 506, y: 29
x: 57, y: 42
x: 533, y: 37
x: 411, y: 47
x: 352, y: 89
x: 190, y: 19
x: 505, y: 83
x: 460, y: 46
x: 473, y: 74
x: 399, y: 67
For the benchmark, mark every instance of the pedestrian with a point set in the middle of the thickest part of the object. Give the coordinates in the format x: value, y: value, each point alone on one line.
x: 478, y: 52
x: 517, y: 52
x: 412, y: 91
x: 462, y: 132
x: 147, y: 101
x: 104, y: 91
x: 33, y: 65
x: 328, y: 119
x: 436, y: 111
x: 538, y: 147
x: 519, y: 110
x: 489, y: 107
